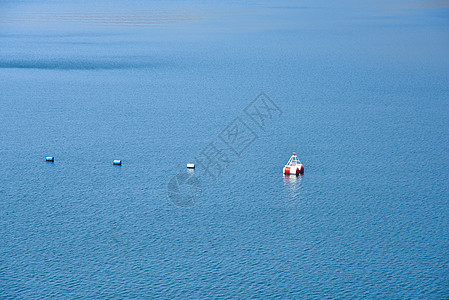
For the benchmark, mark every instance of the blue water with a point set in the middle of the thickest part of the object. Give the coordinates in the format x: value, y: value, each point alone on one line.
x: 362, y: 92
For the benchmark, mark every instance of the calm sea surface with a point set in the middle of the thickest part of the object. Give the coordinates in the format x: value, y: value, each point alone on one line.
x: 359, y: 91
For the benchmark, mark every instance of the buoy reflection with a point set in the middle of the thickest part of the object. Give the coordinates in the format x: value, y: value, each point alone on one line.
x: 293, y: 185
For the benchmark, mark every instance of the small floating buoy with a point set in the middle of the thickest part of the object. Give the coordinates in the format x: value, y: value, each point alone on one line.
x: 293, y: 166
x: 117, y: 162
x: 50, y: 158
x: 190, y: 166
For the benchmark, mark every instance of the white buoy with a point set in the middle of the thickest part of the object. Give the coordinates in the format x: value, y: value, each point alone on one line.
x: 50, y: 158
x: 190, y: 166
x: 294, y: 166
x: 117, y: 162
